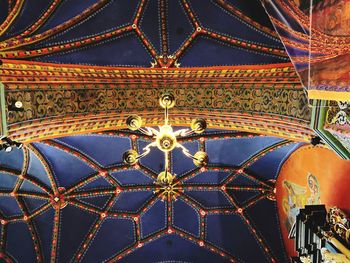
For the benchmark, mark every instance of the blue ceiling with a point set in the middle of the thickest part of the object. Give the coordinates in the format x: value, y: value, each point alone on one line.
x: 73, y: 200
x: 108, y: 211
x: 237, y: 20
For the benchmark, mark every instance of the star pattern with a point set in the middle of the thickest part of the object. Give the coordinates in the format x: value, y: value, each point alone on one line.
x: 209, y: 192
x: 72, y: 199
x: 152, y: 23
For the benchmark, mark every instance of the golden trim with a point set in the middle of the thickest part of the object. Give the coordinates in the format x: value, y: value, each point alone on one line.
x: 329, y: 95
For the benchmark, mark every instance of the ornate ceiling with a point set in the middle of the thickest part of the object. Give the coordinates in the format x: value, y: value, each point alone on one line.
x: 79, y: 68
x: 73, y: 200
x: 316, y: 37
x: 190, y: 33
x: 217, y: 56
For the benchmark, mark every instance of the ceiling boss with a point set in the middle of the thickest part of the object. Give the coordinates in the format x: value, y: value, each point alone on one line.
x: 165, y: 139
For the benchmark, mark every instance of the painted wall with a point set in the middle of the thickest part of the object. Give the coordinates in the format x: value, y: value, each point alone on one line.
x: 317, y: 42
x: 311, y: 175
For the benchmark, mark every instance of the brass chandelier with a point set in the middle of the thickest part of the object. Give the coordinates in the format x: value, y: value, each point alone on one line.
x: 165, y: 139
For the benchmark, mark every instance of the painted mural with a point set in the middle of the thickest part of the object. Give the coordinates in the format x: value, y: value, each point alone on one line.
x: 316, y: 35
x: 333, y: 19
x: 298, y: 196
x: 331, y: 16
x: 311, y: 175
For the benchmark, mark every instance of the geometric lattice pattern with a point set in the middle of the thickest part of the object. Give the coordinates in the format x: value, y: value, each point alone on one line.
x: 73, y: 200
x: 141, y: 33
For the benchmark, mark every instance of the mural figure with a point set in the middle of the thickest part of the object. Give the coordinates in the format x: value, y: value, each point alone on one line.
x: 320, y: 50
x: 299, y: 196
x: 314, y: 189
x: 332, y: 17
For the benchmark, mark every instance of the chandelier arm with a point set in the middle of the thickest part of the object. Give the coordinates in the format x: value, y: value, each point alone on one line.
x: 146, y: 150
x: 149, y: 131
x: 185, y: 151
x: 166, y: 113
x: 184, y: 132
x: 166, y: 155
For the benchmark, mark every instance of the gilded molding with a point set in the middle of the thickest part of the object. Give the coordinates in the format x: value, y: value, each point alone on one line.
x: 60, y: 100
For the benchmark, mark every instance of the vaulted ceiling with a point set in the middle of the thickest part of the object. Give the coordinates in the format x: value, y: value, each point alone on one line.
x: 71, y: 199
x: 137, y: 33
x: 233, y: 43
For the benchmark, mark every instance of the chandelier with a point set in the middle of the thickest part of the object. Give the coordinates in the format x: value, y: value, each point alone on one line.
x: 165, y: 139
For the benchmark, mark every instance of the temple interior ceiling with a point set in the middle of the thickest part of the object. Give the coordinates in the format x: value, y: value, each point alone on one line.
x: 72, y: 72
x: 63, y: 63
x: 140, y: 33
x: 75, y: 200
